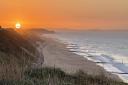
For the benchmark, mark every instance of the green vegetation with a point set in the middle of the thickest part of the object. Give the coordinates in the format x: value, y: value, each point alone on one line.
x: 52, y: 76
x: 17, y: 54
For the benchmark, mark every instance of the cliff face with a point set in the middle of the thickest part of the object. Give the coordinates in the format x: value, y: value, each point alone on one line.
x: 11, y: 40
x: 41, y: 30
x: 16, y: 54
x: 16, y: 45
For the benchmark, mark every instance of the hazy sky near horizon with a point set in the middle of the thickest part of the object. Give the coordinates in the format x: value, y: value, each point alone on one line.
x: 75, y: 14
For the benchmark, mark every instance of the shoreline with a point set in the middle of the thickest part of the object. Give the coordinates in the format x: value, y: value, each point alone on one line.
x: 98, y: 60
x: 103, y: 60
x: 56, y: 54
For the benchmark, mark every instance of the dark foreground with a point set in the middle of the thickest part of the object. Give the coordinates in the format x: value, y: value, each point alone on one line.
x: 52, y: 76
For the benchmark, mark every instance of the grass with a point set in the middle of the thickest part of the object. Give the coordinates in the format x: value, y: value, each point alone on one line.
x: 55, y: 76
x: 52, y: 76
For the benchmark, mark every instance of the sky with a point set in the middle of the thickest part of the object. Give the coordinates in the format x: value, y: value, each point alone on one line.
x: 65, y: 14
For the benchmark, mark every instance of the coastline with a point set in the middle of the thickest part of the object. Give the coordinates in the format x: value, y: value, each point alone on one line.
x: 57, y: 55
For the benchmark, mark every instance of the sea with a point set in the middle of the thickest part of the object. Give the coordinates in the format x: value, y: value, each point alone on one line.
x: 108, y: 49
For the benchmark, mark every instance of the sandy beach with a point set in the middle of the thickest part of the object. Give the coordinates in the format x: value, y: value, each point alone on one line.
x: 57, y: 55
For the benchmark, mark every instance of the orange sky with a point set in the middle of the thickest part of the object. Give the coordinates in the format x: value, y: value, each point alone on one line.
x: 75, y: 14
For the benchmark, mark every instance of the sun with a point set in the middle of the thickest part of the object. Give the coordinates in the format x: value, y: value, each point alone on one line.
x: 18, y: 25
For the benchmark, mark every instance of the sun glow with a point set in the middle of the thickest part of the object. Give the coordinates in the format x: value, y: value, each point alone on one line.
x: 18, y: 25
